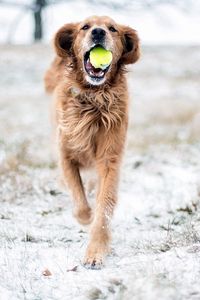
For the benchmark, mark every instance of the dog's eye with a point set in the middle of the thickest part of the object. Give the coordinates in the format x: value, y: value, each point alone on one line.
x: 111, y: 28
x: 85, y: 27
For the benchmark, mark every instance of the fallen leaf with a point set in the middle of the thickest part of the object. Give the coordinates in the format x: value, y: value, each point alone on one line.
x: 46, y: 272
x: 74, y: 269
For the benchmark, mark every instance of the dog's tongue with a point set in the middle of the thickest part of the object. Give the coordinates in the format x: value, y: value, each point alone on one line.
x: 92, y: 70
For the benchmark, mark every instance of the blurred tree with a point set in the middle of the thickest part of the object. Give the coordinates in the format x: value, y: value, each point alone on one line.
x: 38, y: 7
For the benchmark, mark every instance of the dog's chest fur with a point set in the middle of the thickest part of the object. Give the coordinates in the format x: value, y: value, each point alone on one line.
x: 85, y: 115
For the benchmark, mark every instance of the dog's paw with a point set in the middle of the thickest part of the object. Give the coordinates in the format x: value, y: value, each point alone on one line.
x: 95, y: 256
x: 83, y: 215
x: 93, y: 262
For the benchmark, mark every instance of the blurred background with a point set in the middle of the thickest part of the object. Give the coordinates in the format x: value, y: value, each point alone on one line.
x: 160, y: 184
x: 158, y: 21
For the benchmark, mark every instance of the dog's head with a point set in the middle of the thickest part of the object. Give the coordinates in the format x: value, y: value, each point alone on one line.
x: 75, y: 41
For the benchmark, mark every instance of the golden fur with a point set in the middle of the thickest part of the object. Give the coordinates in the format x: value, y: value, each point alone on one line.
x: 92, y: 121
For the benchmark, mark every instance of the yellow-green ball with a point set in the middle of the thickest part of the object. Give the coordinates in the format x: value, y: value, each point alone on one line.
x: 100, y: 57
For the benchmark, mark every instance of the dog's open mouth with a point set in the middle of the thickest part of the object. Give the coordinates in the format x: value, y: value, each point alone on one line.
x: 94, y: 73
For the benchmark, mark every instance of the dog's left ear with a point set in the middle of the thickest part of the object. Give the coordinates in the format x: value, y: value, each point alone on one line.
x: 131, y: 45
x: 64, y: 39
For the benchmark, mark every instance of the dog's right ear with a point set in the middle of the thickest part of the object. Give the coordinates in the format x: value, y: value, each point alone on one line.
x: 131, y: 45
x: 64, y: 39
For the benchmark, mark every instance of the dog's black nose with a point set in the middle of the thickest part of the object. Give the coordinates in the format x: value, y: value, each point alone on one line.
x: 98, y: 34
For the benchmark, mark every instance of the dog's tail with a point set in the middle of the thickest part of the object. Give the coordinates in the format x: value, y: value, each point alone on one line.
x: 53, y: 74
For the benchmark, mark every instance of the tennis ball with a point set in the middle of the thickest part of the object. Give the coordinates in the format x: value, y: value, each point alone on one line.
x: 100, y: 57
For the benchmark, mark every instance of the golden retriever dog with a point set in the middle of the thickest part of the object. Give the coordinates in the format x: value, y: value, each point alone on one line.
x: 91, y: 117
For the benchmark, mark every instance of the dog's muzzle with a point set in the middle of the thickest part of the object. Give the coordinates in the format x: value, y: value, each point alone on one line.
x: 98, y: 35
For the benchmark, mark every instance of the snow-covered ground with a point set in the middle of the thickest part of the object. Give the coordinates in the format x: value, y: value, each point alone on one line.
x: 167, y: 22
x: 156, y: 227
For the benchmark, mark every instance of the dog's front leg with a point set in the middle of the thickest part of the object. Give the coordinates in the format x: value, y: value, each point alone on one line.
x: 106, y: 199
x: 72, y: 178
